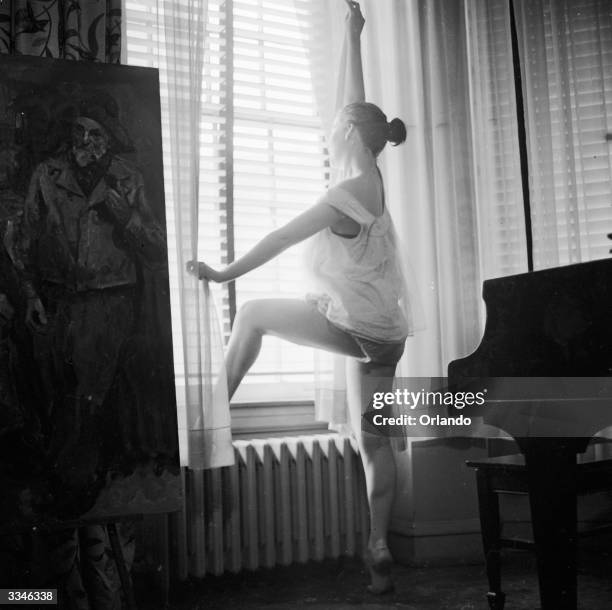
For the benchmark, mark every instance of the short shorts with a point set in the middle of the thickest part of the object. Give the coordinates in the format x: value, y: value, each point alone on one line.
x: 378, y: 352
x: 383, y: 353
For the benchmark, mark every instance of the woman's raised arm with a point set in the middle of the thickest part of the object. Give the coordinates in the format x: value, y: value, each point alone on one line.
x: 354, y: 90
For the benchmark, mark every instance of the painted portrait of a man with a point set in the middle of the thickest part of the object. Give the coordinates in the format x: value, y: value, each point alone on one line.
x: 87, y: 312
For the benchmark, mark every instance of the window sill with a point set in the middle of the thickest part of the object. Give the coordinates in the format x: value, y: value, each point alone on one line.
x: 268, y: 392
x: 274, y: 419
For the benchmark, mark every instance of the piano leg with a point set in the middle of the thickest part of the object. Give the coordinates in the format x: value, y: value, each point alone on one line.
x: 551, y: 472
x: 490, y: 525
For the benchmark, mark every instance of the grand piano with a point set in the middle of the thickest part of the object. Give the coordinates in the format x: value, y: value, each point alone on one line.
x: 551, y: 332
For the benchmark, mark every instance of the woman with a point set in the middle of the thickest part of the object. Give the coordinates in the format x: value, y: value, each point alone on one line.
x: 357, y: 311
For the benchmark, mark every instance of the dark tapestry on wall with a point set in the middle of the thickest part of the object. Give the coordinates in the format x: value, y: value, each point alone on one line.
x: 87, y: 407
x: 62, y: 29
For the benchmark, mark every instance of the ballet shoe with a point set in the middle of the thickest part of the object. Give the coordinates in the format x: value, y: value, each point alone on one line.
x: 379, y: 563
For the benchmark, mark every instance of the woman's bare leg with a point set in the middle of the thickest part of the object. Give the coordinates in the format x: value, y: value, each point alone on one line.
x: 376, y: 454
x: 298, y: 321
x: 291, y: 319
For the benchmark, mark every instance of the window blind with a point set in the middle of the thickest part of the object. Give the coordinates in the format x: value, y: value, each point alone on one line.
x: 278, y: 162
x: 567, y: 60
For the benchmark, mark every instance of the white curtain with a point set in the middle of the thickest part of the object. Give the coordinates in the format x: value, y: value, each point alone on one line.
x: 566, y: 60
x: 180, y: 32
x: 441, y: 67
x: 205, y: 401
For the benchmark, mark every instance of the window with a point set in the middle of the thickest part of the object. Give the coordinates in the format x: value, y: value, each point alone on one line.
x: 279, y: 163
x: 262, y: 158
x: 565, y: 52
x: 567, y: 64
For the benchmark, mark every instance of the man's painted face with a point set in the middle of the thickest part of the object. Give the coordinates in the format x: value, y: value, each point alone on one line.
x: 89, y: 141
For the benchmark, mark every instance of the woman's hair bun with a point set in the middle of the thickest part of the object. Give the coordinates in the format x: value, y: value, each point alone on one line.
x: 396, y: 131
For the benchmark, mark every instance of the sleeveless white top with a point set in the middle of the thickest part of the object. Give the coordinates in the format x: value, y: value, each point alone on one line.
x: 358, y: 280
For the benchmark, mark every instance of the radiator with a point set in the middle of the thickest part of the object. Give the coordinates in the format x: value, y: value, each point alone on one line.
x: 284, y: 500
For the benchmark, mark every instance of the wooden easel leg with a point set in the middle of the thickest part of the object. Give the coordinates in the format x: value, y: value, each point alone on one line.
x: 126, y: 581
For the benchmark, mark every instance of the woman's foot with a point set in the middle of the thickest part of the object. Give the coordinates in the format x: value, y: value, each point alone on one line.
x: 379, y: 562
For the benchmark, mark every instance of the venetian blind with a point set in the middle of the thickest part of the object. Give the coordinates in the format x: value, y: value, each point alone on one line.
x: 256, y: 70
x: 566, y: 57
x: 279, y: 163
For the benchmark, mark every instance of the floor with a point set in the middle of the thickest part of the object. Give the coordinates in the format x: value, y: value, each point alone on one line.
x: 339, y: 585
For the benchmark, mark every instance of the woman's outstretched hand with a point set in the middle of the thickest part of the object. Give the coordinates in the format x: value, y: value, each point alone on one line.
x: 203, y: 272
x: 354, y: 19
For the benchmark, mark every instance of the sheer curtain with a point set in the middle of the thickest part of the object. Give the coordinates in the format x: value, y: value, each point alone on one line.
x: 177, y: 40
x: 204, y: 403
x: 454, y: 187
x: 566, y: 60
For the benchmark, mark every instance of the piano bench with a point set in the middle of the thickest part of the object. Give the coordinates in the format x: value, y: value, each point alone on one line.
x: 508, y: 474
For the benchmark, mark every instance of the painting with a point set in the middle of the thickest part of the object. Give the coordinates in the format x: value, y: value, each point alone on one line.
x: 87, y: 402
